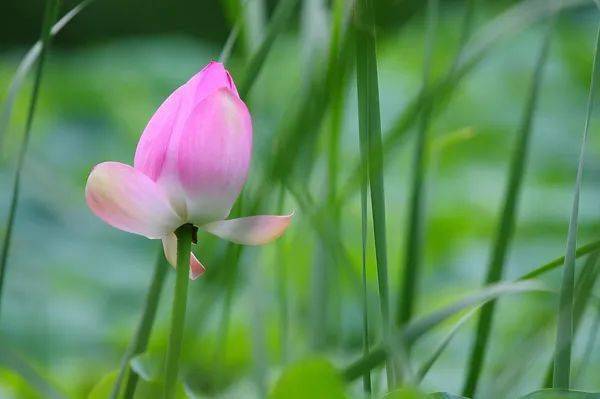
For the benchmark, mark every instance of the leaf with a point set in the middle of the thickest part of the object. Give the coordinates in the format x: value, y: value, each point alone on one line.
x: 405, y: 393
x: 564, y: 336
x: 103, y: 388
x: 421, y: 326
x: 372, y: 152
x: 415, y: 230
x: 445, y: 395
x: 313, y: 378
x: 148, y: 366
x: 505, y: 227
x: 561, y: 394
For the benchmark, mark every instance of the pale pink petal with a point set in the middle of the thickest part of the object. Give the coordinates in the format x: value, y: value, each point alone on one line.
x: 129, y: 200
x: 210, y: 79
x: 152, y: 148
x: 251, y: 230
x: 170, y: 248
x: 214, y: 156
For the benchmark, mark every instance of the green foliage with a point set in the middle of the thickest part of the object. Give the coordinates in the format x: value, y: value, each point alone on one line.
x: 560, y: 394
x: 294, y: 383
x: 103, y: 389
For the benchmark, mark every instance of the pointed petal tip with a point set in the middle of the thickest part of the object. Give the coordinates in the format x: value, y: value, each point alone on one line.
x: 251, y: 230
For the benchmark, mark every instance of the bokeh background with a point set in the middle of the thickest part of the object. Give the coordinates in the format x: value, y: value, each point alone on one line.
x: 75, y: 286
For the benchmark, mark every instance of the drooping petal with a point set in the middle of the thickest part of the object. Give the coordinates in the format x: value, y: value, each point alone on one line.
x: 214, y: 156
x: 251, y: 230
x: 170, y: 248
x: 129, y: 200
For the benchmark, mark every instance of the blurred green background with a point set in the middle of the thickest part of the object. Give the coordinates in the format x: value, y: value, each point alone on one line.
x: 75, y: 286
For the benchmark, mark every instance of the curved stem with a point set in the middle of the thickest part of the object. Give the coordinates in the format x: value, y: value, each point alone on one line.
x: 184, y: 243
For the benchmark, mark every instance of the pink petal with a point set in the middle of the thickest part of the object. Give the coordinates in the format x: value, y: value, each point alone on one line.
x: 252, y: 230
x: 152, y: 148
x: 129, y: 200
x: 156, y: 154
x: 170, y: 248
x: 214, y: 156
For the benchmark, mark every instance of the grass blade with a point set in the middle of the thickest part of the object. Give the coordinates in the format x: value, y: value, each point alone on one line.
x: 139, y: 343
x: 415, y: 230
x: 507, y: 221
x: 50, y: 13
x: 426, y: 366
x: 564, y: 336
x: 516, y: 19
x: 25, y: 66
x: 370, y: 136
x: 558, y: 262
x: 583, y: 293
x: 417, y: 328
x: 281, y: 16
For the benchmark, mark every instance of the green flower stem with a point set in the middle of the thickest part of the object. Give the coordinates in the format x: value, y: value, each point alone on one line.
x: 184, y: 244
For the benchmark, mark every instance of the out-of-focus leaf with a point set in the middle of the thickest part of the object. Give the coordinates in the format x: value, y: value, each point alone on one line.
x: 313, y: 378
x: 561, y: 394
x: 103, y: 388
x: 405, y: 393
x: 445, y: 395
x: 147, y: 365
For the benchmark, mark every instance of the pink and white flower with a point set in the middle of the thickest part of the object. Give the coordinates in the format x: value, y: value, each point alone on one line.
x: 190, y: 166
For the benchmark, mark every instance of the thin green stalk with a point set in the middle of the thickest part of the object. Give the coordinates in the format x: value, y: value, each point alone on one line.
x: 564, y: 336
x: 281, y: 15
x: 514, y: 20
x: 583, y: 293
x: 184, y: 244
x: 370, y: 132
x: 25, y: 65
x: 558, y: 262
x: 139, y: 343
x: 589, y: 346
x: 419, y: 327
x: 281, y: 284
x: 364, y: 203
x: 506, y: 224
x: 50, y: 13
x: 415, y: 231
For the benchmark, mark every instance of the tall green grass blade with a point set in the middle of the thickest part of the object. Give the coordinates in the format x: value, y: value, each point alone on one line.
x: 282, y: 289
x: 465, y: 32
x: 583, y: 293
x: 418, y: 327
x: 589, y: 347
x: 139, y: 343
x: 370, y: 133
x: 25, y: 66
x: 281, y: 16
x: 564, y: 336
x: 428, y: 364
x: 337, y: 90
x: 507, y: 221
x: 415, y: 230
x: 558, y: 262
x: 49, y: 17
x: 511, y: 22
